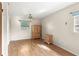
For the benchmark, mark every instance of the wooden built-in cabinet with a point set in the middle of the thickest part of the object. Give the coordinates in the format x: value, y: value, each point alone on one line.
x: 36, y: 31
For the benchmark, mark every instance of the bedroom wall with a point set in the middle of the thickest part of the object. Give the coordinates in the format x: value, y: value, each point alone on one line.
x: 16, y: 33
x: 64, y: 35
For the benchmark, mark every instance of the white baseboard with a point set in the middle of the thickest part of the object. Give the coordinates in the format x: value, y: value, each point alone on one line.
x: 19, y: 39
x: 63, y: 47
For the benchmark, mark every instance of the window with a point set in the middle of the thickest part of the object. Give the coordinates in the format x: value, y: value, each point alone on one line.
x: 76, y: 23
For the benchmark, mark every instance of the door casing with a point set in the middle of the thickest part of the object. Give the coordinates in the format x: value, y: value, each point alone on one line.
x: 1, y: 10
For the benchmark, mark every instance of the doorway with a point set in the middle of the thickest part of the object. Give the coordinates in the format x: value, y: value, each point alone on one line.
x: 1, y: 28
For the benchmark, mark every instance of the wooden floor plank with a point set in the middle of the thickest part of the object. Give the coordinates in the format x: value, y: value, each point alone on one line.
x: 35, y: 48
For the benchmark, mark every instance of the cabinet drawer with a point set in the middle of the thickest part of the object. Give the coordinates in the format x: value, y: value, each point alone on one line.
x: 48, y: 38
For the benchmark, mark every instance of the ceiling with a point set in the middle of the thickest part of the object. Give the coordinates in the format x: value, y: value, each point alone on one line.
x: 37, y: 9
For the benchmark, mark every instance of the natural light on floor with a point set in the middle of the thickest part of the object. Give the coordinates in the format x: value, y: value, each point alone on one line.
x: 25, y: 49
x: 44, y: 47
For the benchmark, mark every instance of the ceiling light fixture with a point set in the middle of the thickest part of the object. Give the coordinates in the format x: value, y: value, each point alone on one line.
x: 30, y: 17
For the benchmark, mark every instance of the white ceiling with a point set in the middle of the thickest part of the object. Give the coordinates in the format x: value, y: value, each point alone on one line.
x: 38, y: 9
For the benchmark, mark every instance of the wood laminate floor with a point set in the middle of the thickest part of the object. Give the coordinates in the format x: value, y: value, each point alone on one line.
x: 35, y: 48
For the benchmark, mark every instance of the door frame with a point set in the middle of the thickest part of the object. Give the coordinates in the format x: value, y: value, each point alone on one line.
x: 1, y: 10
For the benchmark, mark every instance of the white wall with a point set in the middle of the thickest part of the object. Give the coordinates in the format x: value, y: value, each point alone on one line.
x: 16, y: 33
x: 64, y: 35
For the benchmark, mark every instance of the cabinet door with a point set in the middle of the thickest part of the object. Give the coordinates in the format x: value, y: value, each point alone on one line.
x: 36, y: 31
